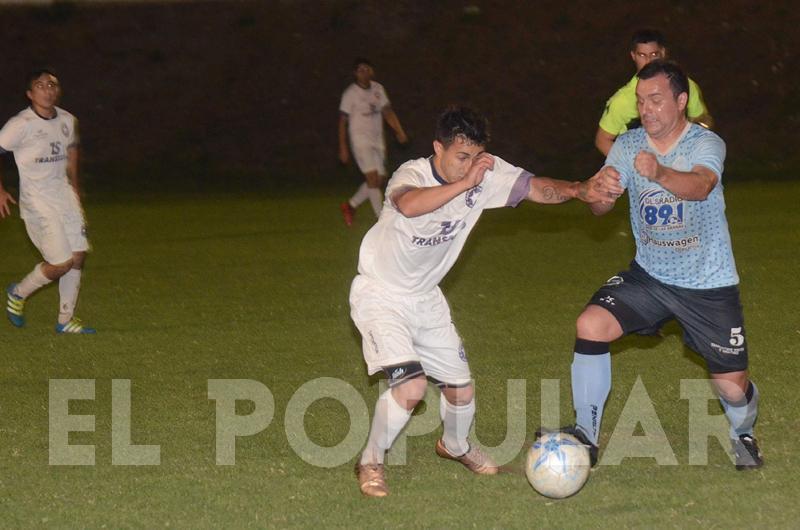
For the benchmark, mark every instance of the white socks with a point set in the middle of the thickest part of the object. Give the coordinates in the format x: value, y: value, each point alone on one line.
x: 389, y: 420
x: 34, y: 281
x: 457, y: 421
x: 359, y: 196
x: 68, y: 287
x: 376, y: 199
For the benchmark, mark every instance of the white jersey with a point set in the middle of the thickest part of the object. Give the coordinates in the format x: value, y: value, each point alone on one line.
x: 411, y: 255
x: 364, y: 109
x: 40, y: 152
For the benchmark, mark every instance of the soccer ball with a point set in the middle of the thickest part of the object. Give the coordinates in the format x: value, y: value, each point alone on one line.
x: 557, y: 465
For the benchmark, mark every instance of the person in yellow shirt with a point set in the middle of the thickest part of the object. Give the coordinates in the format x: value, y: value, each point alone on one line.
x: 621, y: 114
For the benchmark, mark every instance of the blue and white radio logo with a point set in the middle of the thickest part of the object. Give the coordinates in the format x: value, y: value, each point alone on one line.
x: 661, y: 210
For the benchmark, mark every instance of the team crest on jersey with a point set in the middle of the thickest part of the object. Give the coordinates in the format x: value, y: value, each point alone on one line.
x: 64, y: 129
x: 471, y: 193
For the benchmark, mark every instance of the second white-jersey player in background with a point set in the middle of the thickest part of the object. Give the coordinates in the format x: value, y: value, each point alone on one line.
x: 362, y: 110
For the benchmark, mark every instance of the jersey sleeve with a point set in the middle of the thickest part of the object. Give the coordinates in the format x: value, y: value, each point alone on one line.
x: 695, y: 106
x: 615, y: 116
x: 709, y: 151
x: 505, y: 185
x: 12, y: 133
x: 74, y: 139
x: 618, y: 160
x: 404, y: 177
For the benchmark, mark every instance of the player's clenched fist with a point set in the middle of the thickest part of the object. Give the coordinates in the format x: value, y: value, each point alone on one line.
x: 647, y: 165
x: 483, y: 163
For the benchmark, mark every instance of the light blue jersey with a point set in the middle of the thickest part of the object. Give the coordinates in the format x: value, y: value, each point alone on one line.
x: 678, y: 242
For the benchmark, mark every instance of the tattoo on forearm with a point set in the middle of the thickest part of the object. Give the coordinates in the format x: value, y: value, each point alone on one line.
x: 553, y: 194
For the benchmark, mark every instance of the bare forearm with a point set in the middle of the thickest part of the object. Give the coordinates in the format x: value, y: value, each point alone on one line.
x: 342, y: 133
x: 546, y: 190
x: 72, y: 169
x: 413, y: 202
x: 689, y: 185
x: 393, y: 121
x: 603, y: 141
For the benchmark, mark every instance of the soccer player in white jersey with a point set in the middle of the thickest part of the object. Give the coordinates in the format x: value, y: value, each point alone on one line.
x: 44, y: 140
x: 363, y: 108
x: 432, y: 205
x: 683, y: 269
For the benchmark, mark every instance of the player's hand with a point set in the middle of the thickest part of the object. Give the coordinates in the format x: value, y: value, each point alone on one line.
x: 646, y: 164
x: 344, y: 155
x: 482, y: 164
x: 5, y: 208
x: 604, y: 186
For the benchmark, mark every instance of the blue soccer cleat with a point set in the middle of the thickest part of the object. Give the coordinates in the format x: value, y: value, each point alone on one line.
x: 75, y: 326
x: 15, y: 307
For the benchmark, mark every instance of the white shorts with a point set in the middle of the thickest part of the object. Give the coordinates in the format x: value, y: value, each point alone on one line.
x: 57, y: 238
x: 370, y: 157
x: 398, y: 329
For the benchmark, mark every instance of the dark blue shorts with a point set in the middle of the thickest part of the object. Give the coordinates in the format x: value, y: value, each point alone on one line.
x: 712, y: 319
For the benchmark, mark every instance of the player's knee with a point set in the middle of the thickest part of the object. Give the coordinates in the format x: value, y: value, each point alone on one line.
x: 731, y: 386
x: 459, y: 396
x: 410, y: 392
x: 55, y: 271
x: 597, y: 324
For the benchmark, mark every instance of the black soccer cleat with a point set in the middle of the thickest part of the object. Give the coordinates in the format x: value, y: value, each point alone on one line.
x: 578, y: 433
x: 748, y: 455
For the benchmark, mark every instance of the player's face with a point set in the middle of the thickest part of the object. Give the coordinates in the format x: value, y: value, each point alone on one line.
x: 646, y: 52
x: 364, y: 74
x: 44, y: 93
x: 660, y: 111
x: 453, y: 162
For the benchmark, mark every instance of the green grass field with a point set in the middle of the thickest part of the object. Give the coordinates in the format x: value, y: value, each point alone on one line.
x: 186, y: 289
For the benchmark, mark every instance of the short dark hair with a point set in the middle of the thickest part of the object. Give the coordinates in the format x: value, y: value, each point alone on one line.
x: 462, y: 122
x: 358, y: 61
x: 645, y: 35
x: 678, y: 82
x: 36, y: 73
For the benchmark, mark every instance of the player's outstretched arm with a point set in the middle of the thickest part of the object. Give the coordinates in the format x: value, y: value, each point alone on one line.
x: 694, y: 185
x: 394, y: 122
x: 603, y: 187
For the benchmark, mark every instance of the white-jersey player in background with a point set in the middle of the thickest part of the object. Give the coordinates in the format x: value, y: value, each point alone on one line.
x: 44, y: 140
x: 432, y: 205
x: 362, y: 110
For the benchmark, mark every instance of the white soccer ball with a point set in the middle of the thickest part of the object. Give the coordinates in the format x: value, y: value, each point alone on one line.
x: 557, y: 465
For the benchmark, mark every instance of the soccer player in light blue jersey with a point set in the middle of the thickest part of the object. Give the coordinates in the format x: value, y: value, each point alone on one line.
x: 683, y: 269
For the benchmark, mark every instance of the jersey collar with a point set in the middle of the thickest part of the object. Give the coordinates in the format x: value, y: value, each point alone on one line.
x: 43, y: 117
x: 436, y: 175
x: 673, y: 145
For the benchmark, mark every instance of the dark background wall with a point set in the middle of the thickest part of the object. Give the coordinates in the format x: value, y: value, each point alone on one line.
x: 224, y: 90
